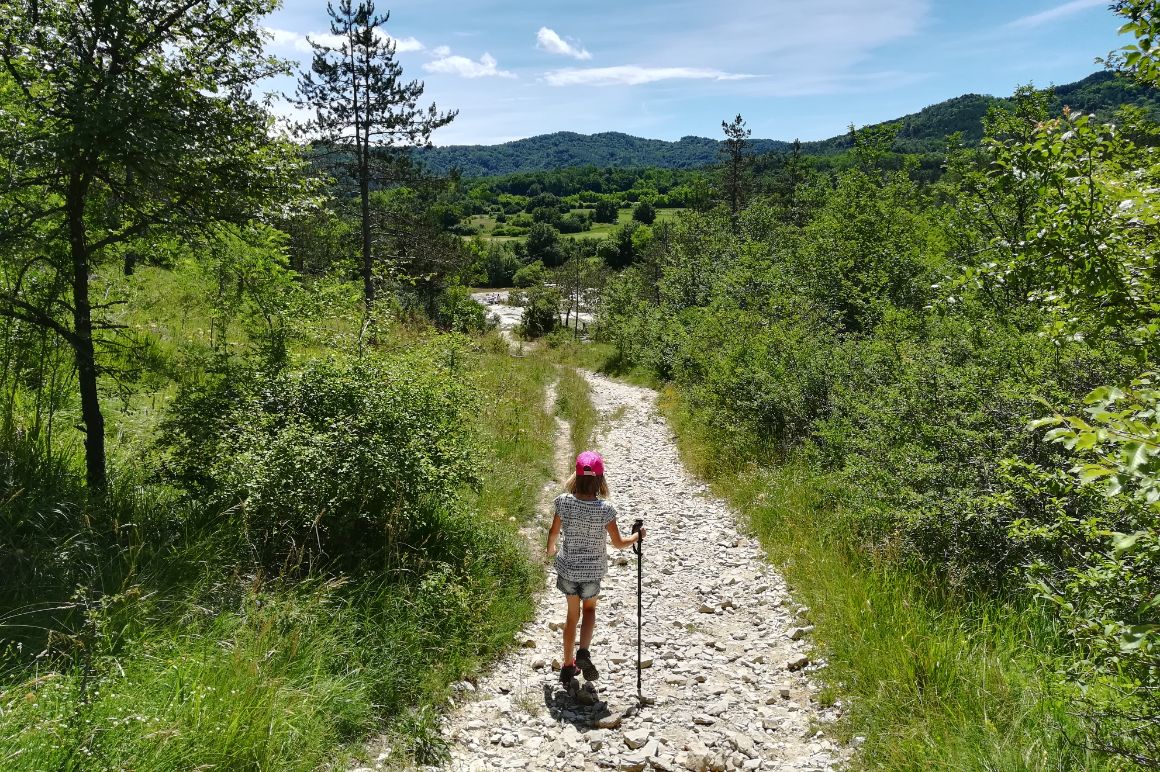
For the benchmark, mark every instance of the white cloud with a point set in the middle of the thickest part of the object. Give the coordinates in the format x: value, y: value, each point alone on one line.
x: 327, y: 39
x: 1056, y: 13
x: 286, y: 39
x: 467, y: 68
x: 633, y: 75
x: 550, y: 41
x: 407, y: 44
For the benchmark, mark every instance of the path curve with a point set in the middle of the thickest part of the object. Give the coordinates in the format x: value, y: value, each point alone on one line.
x: 719, y: 627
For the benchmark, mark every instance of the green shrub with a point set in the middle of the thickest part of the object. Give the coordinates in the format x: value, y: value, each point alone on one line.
x: 644, y: 212
x: 531, y: 275
x: 606, y: 211
x: 541, y: 311
x: 457, y: 311
x: 347, y: 459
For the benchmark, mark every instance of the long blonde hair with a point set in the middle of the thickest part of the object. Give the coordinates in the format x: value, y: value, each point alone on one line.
x: 587, y: 485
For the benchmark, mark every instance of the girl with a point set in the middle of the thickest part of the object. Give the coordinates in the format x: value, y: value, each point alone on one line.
x: 584, y: 516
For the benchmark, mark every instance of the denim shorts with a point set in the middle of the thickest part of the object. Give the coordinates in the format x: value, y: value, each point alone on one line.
x: 585, y: 590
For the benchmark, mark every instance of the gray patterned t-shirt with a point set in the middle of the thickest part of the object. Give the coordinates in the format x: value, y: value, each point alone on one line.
x: 583, y: 557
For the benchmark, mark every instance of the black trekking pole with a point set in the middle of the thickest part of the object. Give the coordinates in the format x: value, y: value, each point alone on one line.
x: 636, y: 526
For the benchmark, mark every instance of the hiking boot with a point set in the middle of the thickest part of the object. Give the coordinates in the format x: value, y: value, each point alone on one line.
x: 584, y: 662
x: 568, y: 674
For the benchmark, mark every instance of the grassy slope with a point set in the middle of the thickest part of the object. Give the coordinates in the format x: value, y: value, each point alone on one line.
x: 929, y: 682
x: 192, y: 663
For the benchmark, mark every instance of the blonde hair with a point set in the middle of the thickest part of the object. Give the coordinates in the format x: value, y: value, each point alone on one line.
x: 587, y: 485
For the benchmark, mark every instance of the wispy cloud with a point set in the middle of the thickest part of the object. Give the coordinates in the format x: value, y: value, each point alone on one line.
x: 285, y: 39
x: 633, y: 75
x: 548, y: 40
x: 1055, y: 14
x: 448, y: 64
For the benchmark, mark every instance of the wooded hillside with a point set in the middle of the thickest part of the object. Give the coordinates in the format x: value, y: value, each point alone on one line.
x: 925, y: 131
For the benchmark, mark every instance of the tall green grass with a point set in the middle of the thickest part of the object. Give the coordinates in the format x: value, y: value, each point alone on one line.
x: 517, y: 429
x: 169, y: 649
x: 926, y: 680
x: 574, y: 405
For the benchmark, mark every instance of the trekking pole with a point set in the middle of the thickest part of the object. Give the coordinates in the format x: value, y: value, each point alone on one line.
x: 636, y: 526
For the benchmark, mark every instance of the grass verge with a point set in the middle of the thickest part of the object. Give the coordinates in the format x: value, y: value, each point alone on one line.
x: 928, y: 682
x: 189, y: 657
x: 574, y: 405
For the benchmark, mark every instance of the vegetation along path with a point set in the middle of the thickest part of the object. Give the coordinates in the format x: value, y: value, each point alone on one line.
x: 724, y: 647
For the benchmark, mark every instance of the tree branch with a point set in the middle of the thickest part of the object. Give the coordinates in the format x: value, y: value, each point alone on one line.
x: 15, y: 308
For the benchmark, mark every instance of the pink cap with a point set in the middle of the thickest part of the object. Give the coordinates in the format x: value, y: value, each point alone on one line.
x: 589, y: 463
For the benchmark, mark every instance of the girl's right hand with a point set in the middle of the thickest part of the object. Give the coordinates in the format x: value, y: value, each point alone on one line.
x: 641, y: 533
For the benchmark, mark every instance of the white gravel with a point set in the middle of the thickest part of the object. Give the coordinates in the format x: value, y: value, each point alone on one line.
x: 717, y: 631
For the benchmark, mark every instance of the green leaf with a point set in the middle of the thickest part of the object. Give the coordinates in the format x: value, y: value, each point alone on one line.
x: 1091, y: 472
x: 1135, y: 455
x: 1135, y: 636
x: 1122, y: 542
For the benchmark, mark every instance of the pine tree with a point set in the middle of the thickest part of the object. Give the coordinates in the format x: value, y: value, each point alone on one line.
x: 363, y: 107
x: 736, y: 162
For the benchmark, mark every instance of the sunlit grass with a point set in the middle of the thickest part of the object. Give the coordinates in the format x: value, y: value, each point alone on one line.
x: 926, y: 681
x: 574, y: 405
x: 186, y: 656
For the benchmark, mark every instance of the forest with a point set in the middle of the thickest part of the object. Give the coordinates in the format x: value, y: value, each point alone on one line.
x: 264, y: 461
x: 922, y: 132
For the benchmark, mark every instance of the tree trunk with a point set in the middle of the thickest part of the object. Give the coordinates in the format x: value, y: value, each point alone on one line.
x: 83, y: 348
x: 364, y: 185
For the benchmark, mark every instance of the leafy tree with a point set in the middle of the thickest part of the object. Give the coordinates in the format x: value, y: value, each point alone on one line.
x: 579, y: 281
x: 645, y: 213
x: 865, y: 250
x: 734, y: 173
x: 122, y: 118
x: 619, y: 249
x: 499, y: 264
x: 421, y: 259
x: 541, y: 311
x: 531, y: 275
x: 363, y: 107
x: 605, y: 211
x: 543, y: 243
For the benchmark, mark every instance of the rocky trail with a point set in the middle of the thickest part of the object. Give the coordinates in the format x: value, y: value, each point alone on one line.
x: 724, y: 647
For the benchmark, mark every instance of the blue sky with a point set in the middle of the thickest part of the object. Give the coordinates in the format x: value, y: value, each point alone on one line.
x: 670, y: 68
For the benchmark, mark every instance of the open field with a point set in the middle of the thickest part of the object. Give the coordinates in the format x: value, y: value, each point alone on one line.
x: 486, y: 224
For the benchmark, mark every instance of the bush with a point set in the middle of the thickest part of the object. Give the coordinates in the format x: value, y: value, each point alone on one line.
x: 500, y: 265
x: 606, y: 211
x: 532, y: 275
x: 509, y: 230
x: 644, y: 213
x: 574, y: 223
x: 542, y: 311
x: 457, y: 311
x: 346, y: 461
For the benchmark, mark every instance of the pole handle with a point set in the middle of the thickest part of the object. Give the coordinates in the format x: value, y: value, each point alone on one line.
x: 636, y: 526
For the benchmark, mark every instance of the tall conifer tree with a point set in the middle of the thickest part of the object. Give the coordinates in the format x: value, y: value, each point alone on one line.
x: 362, y: 104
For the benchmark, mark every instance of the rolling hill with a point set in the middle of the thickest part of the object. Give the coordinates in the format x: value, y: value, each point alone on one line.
x: 924, y: 131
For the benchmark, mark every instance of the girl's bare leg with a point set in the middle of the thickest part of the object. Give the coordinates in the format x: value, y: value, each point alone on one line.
x: 589, y: 622
x: 570, y: 629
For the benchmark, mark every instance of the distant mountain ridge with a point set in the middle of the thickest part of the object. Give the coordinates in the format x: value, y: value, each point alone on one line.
x: 924, y: 131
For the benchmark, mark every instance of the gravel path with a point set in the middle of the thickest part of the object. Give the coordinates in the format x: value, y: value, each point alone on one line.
x: 724, y: 646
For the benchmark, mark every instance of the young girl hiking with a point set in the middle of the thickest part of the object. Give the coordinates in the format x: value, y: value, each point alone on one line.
x: 585, y: 517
